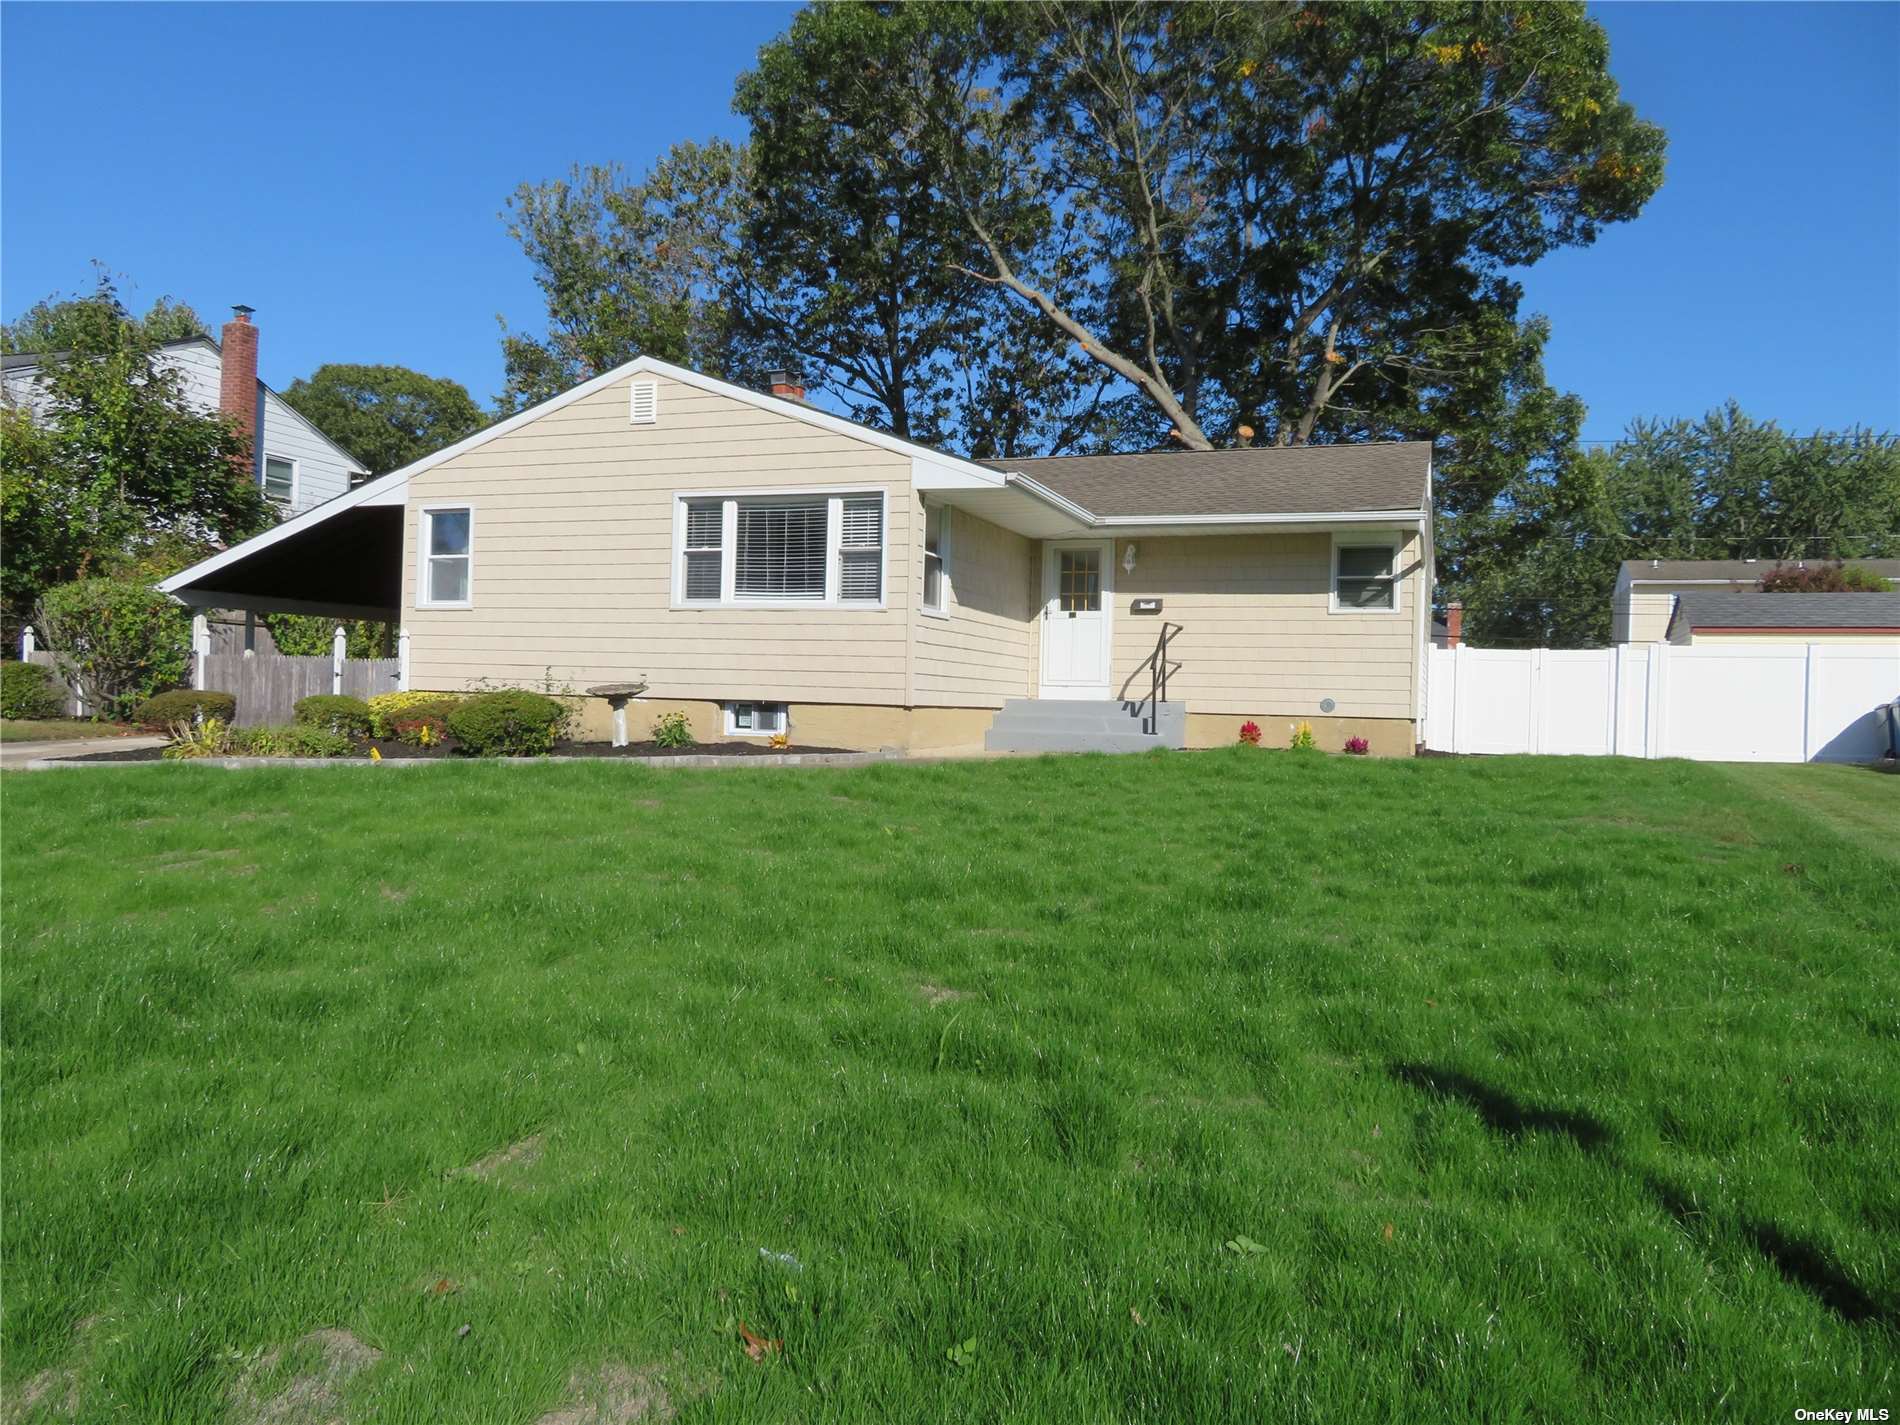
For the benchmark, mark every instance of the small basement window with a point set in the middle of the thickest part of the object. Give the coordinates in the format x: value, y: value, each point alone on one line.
x: 1365, y: 578
x: 755, y: 719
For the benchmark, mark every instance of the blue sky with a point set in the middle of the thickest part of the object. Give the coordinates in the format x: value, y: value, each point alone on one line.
x: 343, y: 168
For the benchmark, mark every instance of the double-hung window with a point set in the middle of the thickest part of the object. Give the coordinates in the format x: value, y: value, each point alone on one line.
x: 280, y: 480
x: 936, y: 550
x: 1365, y: 578
x: 801, y: 548
x: 448, y: 557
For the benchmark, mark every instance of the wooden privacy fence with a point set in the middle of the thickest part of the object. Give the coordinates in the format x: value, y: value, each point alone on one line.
x: 268, y: 685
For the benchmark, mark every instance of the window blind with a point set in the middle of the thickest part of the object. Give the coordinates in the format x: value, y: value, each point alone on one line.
x: 705, y: 529
x: 861, y: 557
x: 781, y: 550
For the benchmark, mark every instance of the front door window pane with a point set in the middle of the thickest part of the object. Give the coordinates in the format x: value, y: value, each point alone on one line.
x: 1080, y: 589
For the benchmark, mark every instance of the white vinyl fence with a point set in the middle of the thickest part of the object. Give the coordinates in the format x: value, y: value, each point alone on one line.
x: 1805, y: 702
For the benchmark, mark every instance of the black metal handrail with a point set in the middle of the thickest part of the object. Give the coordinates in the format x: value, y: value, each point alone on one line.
x: 1157, y: 665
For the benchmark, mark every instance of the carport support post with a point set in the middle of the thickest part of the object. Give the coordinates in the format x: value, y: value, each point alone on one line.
x: 402, y: 659
x: 200, y: 648
x: 339, y: 641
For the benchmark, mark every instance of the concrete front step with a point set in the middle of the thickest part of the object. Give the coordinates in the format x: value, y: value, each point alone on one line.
x: 1074, y: 725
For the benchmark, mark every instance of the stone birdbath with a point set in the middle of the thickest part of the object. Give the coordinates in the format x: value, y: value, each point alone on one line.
x: 617, y: 695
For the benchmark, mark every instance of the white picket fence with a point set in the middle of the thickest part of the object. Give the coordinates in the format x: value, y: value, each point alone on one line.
x: 1806, y: 702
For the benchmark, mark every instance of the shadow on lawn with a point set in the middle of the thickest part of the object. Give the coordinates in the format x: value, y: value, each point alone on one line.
x: 1801, y: 1263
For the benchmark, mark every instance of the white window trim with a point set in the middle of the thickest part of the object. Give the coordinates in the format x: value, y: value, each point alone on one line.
x: 423, y: 519
x: 734, y: 730
x: 296, y: 478
x: 1392, y: 542
x: 834, y: 497
x: 944, y: 591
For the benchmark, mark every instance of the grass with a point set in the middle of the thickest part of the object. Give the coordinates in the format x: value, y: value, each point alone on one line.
x: 1226, y: 1086
x: 59, y: 729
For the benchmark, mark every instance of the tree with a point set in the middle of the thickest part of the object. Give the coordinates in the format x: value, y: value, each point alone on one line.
x: 1826, y: 578
x: 117, y: 641
x: 854, y: 270
x: 1538, y: 566
x: 1298, y: 224
x: 627, y: 269
x: 386, y: 416
x: 114, y: 462
x: 62, y: 323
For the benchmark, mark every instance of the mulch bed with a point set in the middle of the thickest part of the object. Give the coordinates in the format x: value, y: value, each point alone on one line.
x: 393, y: 751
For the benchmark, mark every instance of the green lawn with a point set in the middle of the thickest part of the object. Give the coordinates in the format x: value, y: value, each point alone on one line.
x: 58, y: 729
x: 1220, y: 1086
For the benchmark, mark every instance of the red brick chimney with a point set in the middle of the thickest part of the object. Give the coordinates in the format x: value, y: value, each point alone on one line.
x: 787, y: 385
x: 1454, y: 625
x: 237, y: 381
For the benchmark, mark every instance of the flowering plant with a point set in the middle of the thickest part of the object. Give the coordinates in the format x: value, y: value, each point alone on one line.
x: 1250, y: 733
x: 1358, y: 746
x: 1303, y: 739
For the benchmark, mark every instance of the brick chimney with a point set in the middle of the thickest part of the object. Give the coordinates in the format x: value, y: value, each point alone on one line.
x: 786, y: 385
x: 1454, y: 625
x: 237, y: 380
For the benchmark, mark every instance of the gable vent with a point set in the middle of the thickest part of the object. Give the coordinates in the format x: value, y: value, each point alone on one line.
x: 644, y: 407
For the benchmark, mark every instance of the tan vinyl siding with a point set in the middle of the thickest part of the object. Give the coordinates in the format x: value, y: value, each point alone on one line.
x: 573, y: 557
x: 980, y: 651
x: 1642, y: 615
x: 1257, y: 635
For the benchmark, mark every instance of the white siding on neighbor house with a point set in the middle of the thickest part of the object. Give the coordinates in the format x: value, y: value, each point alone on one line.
x: 1257, y: 634
x: 982, y: 649
x: 573, y: 557
x: 323, y: 471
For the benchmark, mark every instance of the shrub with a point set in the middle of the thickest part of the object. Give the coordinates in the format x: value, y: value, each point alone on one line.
x: 1357, y: 746
x: 210, y: 738
x: 385, y: 708
x: 1303, y: 739
x: 185, y: 705
x: 26, y: 690
x: 1835, y: 578
x: 117, y: 641
x: 300, y: 739
x: 673, y: 729
x: 426, y: 730
x: 510, y: 723
x: 1250, y: 733
x: 336, y: 711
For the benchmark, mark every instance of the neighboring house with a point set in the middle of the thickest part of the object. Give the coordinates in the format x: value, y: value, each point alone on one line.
x: 1703, y: 618
x: 298, y: 466
x: 762, y: 565
x: 1646, y: 589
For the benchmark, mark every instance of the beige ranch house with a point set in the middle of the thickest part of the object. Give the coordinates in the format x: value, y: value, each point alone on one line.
x: 766, y: 566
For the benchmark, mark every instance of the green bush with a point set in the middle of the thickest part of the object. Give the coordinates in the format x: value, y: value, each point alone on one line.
x: 210, y: 738
x: 117, y: 641
x: 26, y: 690
x: 337, y: 711
x: 673, y: 729
x: 385, y: 709
x: 301, y: 739
x: 185, y: 705
x: 510, y: 723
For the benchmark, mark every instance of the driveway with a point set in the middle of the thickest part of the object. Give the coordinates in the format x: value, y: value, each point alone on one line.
x: 19, y: 754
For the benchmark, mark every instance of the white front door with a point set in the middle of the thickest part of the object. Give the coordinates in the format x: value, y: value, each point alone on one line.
x: 1078, y: 586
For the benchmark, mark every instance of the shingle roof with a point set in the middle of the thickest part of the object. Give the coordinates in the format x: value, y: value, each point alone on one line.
x: 1680, y: 571
x: 1292, y: 480
x: 1744, y: 610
